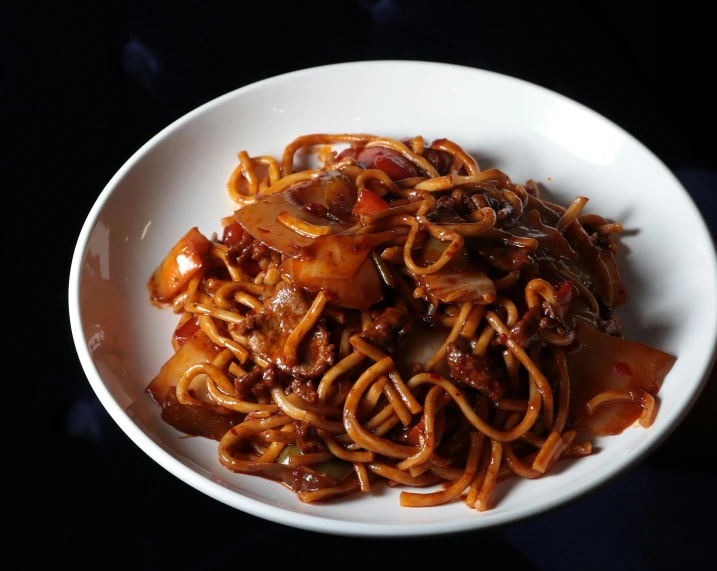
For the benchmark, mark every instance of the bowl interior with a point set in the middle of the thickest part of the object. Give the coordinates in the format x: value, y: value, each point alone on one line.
x: 178, y: 180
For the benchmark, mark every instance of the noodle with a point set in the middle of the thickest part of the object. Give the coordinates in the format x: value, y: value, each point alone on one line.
x: 298, y: 325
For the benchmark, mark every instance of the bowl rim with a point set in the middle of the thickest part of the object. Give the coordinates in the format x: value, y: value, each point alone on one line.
x: 333, y: 526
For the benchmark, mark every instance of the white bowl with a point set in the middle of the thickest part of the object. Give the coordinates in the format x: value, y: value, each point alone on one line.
x: 177, y: 180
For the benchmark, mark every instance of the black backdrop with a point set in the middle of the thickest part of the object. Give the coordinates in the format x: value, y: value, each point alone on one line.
x: 83, y: 86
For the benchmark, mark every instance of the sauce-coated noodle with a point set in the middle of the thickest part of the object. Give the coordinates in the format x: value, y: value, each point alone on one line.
x: 299, y: 325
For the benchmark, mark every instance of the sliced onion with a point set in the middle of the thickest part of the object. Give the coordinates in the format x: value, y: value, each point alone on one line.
x: 260, y: 220
x: 332, y: 190
x: 360, y: 291
x: 433, y: 249
x: 550, y: 216
x: 609, y: 283
x: 458, y: 287
x: 599, y: 363
x: 612, y: 276
x: 198, y: 349
x: 552, y: 244
x: 180, y: 264
x: 336, y: 257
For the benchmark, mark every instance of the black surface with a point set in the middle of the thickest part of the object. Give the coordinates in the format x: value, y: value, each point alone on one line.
x: 84, y: 86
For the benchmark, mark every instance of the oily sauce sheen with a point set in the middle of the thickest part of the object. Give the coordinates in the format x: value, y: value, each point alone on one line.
x: 399, y: 316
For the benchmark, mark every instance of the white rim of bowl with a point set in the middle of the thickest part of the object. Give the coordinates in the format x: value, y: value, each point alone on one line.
x: 333, y: 526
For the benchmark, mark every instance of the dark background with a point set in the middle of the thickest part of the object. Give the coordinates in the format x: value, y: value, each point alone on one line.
x: 84, y: 86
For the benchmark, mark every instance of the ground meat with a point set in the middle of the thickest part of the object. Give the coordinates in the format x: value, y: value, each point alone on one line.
x: 307, y: 439
x: 271, y: 377
x: 256, y: 385
x: 237, y: 249
x: 612, y: 326
x: 525, y: 332
x: 441, y: 160
x: 273, y: 324
x: 543, y: 317
x: 386, y: 331
x: 505, y: 215
x: 247, y: 252
x: 475, y: 371
x: 243, y: 327
x: 244, y: 384
x: 505, y: 258
x: 447, y: 202
x: 445, y: 213
x: 258, y: 250
x: 551, y: 316
x: 343, y: 387
x: 468, y: 206
x: 305, y: 389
